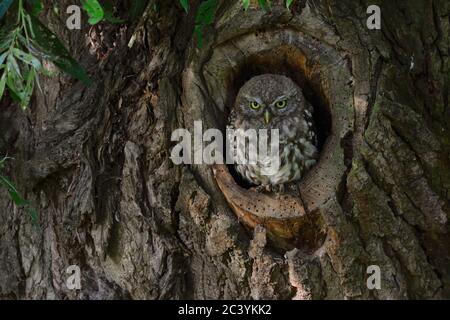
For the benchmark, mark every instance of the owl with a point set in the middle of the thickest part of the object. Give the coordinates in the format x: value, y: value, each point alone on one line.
x: 273, y: 101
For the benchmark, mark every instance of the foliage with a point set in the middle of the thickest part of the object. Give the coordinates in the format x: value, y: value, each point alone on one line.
x: 207, y: 10
x: 264, y: 4
x: 24, y: 45
x: 4, y: 6
x: 205, y: 17
x: 246, y: 4
x: 27, y: 43
x: 94, y: 10
x: 185, y: 5
x: 98, y: 12
x: 24, y: 48
x: 15, y: 195
x: 289, y: 3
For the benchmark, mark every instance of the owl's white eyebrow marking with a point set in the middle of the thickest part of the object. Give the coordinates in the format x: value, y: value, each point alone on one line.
x: 280, y: 98
x: 283, y: 97
x: 256, y: 99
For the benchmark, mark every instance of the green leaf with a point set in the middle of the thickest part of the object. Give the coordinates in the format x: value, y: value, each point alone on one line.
x: 264, y: 4
x: 12, y: 90
x: 15, y: 87
x: 13, y: 65
x: 49, y: 44
x: 246, y: 4
x: 2, y: 84
x: 137, y: 8
x: 28, y: 91
x: 205, y: 16
x: 289, y: 3
x: 27, y: 58
x: 109, y: 13
x: 8, y: 33
x: 3, y: 57
x: 199, y: 33
x: 4, y: 43
x: 94, y: 11
x: 17, y: 198
x: 33, y: 214
x: 55, y: 9
x: 7, y: 184
x: 4, y: 6
x: 36, y: 6
x: 13, y: 193
x: 30, y: 28
x: 206, y: 12
x: 185, y: 5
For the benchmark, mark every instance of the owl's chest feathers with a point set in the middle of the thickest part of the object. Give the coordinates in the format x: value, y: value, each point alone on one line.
x: 297, y: 150
x: 297, y: 153
x: 294, y: 159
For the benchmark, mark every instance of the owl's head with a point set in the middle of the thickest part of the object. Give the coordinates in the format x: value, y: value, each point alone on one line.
x: 269, y: 98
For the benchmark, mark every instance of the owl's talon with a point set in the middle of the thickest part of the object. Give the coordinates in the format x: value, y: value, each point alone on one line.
x: 260, y: 188
x: 264, y: 188
x: 279, y: 190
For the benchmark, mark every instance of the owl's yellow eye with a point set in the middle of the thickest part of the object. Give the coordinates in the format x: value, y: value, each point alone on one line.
x: 255, y: 105
x: 281, y: 104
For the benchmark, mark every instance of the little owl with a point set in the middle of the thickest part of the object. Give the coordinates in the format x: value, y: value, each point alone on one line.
x: 272, y: 101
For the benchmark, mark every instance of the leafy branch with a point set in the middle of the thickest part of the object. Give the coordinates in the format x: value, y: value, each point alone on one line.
x: 24, y: 45
x: 15, y: 195
x: 19, y: 68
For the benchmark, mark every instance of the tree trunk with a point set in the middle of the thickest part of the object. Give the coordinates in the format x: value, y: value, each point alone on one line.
x: 95, y: 161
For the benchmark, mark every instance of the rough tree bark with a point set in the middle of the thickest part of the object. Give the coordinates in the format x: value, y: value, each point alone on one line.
x: 95, y: 162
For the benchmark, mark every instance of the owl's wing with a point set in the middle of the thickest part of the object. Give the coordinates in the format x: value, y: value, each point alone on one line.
x: 312, y: 129
x: 232, y: 118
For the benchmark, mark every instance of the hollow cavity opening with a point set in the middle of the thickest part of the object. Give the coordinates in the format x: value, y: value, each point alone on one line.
x: 290, y: 62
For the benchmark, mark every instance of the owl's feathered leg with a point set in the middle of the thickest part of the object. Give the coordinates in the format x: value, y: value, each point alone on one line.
x: 269, y: 188
x: 263, y: 188
x: 285, y: 188
x: 278, y: 190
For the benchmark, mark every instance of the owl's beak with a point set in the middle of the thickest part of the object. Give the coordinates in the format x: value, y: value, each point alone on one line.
x: 267, y: 116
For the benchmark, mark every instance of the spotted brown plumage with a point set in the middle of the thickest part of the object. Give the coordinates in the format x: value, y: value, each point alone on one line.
x: 272, y: 101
